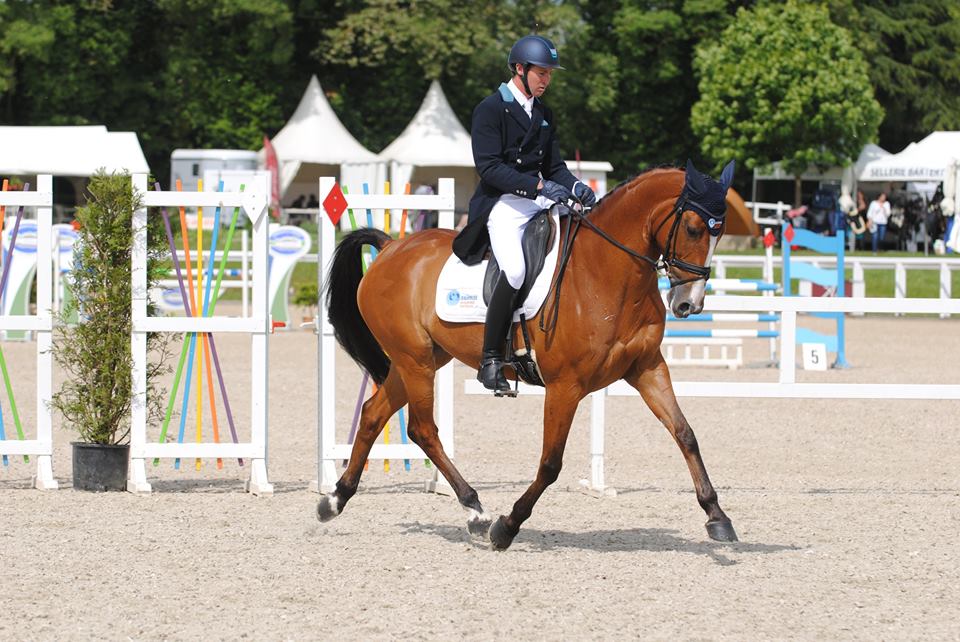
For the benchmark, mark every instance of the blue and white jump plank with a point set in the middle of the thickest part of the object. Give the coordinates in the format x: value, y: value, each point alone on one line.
x: 736, y: 317
x: 730, y: 285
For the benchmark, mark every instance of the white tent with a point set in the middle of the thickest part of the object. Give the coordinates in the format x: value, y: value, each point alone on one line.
x: 433, y: 145
x: 69, y: 151
x: 847, y: 176
x: 926, y: 160
x: 315, y: 143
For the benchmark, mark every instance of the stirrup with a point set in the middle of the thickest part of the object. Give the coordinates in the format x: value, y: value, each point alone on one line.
x: 491, y: 376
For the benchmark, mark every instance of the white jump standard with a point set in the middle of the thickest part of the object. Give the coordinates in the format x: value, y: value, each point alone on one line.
x: 253, y: 201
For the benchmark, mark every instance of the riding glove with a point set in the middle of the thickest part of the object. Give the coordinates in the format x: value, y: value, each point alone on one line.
x: 584, y: 194
x: 556, y: 192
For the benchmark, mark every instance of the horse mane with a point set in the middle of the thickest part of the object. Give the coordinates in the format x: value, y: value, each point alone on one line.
x: 629, y: 181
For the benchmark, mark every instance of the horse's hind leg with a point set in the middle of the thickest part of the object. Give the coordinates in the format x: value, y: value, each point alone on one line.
x: 418, y: 378
x: 558, y: 411
x: 377, y: 410
x: 657, y: 391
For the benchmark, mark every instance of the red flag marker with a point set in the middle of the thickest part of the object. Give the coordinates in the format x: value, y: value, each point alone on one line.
x: 335, y: 204
x: 768, y: 238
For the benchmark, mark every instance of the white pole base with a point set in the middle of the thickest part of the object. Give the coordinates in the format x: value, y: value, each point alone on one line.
x: 258, y: 484
x: 438, y: 485
x: 588, y: 489
x: 44, y: 480
x: 138, y: 478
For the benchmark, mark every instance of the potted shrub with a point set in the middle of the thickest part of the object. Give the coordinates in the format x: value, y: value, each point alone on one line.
x: 307, y: 296
x: 94, y: 352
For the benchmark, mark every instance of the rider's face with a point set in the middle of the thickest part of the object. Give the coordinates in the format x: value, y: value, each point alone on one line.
x: 538, y: 79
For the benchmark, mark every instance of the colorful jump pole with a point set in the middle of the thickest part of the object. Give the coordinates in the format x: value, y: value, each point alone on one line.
x: 7, y: 259
x: 207, y: 336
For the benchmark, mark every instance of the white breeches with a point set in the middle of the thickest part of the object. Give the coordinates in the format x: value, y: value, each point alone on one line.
x: 508, y: 219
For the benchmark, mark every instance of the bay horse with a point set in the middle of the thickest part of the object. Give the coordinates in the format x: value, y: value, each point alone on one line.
x: 609, y: 325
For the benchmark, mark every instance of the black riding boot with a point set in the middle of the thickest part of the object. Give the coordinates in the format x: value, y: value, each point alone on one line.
x: 498, y: 322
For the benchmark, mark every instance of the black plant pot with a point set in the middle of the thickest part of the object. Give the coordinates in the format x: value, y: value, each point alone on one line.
x: 100, y: 467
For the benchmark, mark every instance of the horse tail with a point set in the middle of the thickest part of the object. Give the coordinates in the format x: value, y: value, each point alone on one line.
x: 343, y: 280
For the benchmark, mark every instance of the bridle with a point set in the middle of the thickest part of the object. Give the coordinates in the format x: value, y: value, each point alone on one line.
x: 669, y: 258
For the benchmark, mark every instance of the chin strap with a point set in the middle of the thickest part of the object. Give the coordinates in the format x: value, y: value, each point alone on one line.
x: 526, y: 85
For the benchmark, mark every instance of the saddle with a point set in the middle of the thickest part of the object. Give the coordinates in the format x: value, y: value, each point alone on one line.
x: 537, y: 240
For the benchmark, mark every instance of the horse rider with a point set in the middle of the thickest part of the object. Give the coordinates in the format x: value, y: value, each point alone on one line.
x: 517, y: 155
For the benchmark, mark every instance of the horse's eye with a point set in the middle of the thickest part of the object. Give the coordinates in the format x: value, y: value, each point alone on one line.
x: 694, y: 232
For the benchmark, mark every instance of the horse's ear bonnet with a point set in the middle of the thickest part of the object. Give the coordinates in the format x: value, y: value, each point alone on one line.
x: 706, y: 196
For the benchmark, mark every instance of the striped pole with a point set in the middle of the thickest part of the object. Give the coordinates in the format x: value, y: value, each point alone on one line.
x: 403, y: 423
x: 739, y: 285
x: 745, y: 317
x: 721, y: 332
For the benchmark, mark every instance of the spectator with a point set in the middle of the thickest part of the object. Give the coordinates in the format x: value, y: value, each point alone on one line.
x: 861, y: 204
x: 312, y: 201
x: 877, y: 215
x: 848, y: 210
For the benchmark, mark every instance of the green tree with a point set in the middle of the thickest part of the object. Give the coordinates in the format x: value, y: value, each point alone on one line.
x: 225, y: 63
x: 783, y: 83
x: 26, y: 36
x: 622, y: 96
x: 649, y: 44
x: 180, y: 73
x: 380, y: 58
x: 913, y: 47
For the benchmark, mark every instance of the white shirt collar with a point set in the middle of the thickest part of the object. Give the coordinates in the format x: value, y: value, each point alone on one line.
x: 526, y: 103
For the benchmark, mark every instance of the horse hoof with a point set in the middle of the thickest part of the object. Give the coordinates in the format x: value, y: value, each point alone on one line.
x: 479, y: 526
x: 722, y: 531
x: 328, y: 508
x: 500, y: 535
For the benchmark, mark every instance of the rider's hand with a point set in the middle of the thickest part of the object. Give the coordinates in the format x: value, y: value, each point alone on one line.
x: 556, y: 192
x: 584, y: 194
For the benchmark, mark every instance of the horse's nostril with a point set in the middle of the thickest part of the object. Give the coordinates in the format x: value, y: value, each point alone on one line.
x: 683, y: 309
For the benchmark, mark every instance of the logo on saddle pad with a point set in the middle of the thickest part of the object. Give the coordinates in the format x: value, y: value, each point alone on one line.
x: 460, y: 300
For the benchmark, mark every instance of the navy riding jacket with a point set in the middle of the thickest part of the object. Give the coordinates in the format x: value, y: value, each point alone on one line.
x: 511, y: 152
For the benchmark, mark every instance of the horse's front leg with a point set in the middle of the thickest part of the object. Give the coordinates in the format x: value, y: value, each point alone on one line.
x: 655, y: 387
x: 558, y: 410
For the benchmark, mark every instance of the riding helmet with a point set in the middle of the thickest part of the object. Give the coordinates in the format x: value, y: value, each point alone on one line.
x: 534, y: 50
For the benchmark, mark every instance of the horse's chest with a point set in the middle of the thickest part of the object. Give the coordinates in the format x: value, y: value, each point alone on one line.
x: 639, y: 345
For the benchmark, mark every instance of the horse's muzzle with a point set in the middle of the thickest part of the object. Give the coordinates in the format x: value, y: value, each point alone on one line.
x: 686, y: 299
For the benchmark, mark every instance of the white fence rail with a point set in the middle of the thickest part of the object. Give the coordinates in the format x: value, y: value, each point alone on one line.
x: 901, y: 266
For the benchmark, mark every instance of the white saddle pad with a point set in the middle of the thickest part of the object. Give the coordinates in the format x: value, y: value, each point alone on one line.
x: 460, y: 287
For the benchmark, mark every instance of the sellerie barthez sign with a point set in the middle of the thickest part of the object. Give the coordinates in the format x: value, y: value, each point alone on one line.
x: 907, y: 173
